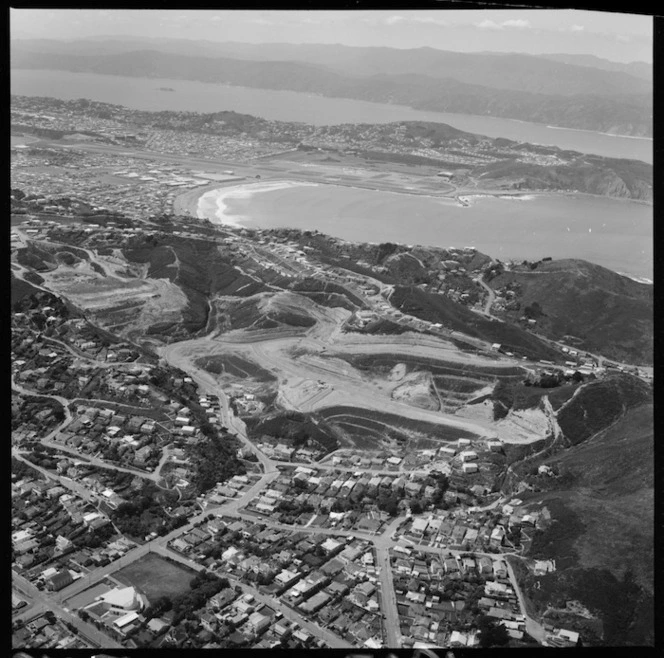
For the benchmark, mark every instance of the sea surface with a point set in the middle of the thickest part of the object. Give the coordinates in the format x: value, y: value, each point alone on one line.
x: 613, y: 233
x: 144, y: 94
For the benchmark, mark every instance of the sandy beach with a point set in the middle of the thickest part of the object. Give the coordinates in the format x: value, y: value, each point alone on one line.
x: 187, y: 203
x: 210, y: 201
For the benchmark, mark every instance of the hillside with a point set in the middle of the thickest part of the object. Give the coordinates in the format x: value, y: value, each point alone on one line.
x: 455, y: 316
x: 641, y: 70
x: 601, y: 536
x: 599, y: 404
x: 503, y: 163
x: 546, y: 74
x: 583, y: 98
x: 584, y: 305
x: 589, y: 174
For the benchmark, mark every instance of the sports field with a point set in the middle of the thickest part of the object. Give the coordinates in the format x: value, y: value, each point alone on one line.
x: 155, y: 576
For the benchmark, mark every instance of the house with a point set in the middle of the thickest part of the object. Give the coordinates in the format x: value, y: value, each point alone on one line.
x: 59, y: 580
x: 369, y: 525
x: 419, y: 525
x: 282, y: 628
x: 125, y: 622
x: 141, y: 456
x: 331, y: 545
x: 467, y: 455
x: 258, y: 622
x: 485, y: 565
x: 497, y: 590
x: 316, y: 602
x: 497, y: 536
x: 470, y: 468
x: 451, y: 565
x: 499, y: 569
x: 287, y: 577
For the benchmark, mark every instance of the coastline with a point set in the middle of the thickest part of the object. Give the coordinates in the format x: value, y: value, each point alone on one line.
x: 188, y: 203
x: 214, y: 207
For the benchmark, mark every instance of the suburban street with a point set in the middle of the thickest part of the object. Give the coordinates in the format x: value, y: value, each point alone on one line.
x: 339, y: 388
x: 533, y: 627
x: 47, y: 603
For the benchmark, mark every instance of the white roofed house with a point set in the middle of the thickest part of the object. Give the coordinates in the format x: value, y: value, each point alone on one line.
x: 419, y: 525
x: 258, y: 622
x: 497, y: 535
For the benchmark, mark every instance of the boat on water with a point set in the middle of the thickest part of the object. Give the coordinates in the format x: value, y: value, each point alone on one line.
x: 166, y: 89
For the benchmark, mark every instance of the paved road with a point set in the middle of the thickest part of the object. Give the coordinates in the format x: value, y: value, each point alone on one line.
x: 63, y: 401
x: 491, y: 297
x: 388, y: 599
x: 331, y: 639
x: 533, y: 627
x: 96, y: 461
x: 78, y: 489
x: 45, y: 602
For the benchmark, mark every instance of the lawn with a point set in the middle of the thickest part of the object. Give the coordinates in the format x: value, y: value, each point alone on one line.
x: 156, y: 576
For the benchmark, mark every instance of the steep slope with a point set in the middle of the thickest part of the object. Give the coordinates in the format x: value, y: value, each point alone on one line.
x: 438, y: 308
x: 601, y: 534
x: 585, y: 305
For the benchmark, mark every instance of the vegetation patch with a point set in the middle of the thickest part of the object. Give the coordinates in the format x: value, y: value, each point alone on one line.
x: 234, y: 366
x: 156, y: 576
x: 213, y: 460
x: 299, y: 429
x: 599, y: 404
x: 609, y: 314
x: 439, y: 308
x: 146, y: 513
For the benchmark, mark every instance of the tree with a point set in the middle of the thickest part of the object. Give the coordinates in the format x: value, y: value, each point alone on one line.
x: 492, y: 634
x: 415, y: 506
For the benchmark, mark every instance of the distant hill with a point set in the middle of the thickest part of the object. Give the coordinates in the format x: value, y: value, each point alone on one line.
x: 641, y: 70
x: 585, y: 305
x: 552, y: 74
x: 512, y: 86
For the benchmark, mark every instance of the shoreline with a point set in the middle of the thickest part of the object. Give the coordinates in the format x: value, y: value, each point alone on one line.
x: 188, y: 202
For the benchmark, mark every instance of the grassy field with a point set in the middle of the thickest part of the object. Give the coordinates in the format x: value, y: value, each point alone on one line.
x: 156, y: 576
x: 234, y: 366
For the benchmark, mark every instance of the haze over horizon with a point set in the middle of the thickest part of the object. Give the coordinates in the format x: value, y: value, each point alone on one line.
x: 617, y: 37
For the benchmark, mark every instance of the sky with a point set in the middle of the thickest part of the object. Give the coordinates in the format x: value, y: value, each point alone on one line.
x: 618, y: 37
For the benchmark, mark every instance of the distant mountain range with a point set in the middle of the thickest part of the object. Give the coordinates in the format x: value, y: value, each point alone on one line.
x: 563, y: 90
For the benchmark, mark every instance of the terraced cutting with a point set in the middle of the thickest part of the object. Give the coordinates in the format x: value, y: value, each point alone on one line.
x: 455, y: 383
x: 367, y: 427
